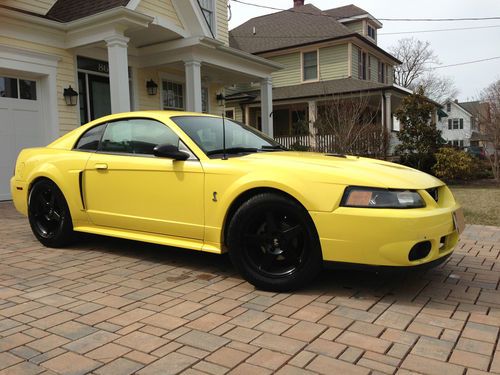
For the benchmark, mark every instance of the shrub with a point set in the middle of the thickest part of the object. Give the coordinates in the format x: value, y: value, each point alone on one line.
x: 452, y: 164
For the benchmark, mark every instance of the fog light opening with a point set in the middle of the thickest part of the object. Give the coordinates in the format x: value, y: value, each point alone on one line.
x: 442, y: 243
x: 420, y: 251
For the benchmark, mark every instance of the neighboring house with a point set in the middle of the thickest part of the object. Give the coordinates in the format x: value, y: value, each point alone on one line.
x: 456, y: 124
x: 325, y: 53
x: 113, y: 53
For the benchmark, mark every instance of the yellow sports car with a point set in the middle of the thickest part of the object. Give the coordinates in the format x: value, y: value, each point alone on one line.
x: 211, y: 184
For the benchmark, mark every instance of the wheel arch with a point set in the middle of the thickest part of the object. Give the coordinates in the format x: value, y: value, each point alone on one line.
x: 248, y: 194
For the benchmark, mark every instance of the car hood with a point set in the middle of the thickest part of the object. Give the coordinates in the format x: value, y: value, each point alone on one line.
x: 348, y: 170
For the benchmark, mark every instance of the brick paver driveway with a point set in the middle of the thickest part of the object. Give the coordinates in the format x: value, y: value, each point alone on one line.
x: 118, y: 307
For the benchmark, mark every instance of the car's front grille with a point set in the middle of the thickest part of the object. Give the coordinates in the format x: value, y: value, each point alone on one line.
x: 434, y: 192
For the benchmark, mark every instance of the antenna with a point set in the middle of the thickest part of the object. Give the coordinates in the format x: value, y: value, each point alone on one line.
x: 224, y: 155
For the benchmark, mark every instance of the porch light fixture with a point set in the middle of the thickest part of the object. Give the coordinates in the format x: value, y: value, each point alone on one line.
x: 70, y: 96
x: 220, y: 99
x: 152, y: 87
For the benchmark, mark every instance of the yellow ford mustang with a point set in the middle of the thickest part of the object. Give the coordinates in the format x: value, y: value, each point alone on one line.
x: 199, y: 182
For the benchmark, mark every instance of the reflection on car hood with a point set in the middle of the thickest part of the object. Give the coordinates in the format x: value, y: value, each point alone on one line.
x: 348, y: 170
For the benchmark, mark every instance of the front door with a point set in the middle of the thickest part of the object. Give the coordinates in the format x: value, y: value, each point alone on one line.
x: 127, y: 187
x: 95, y: 96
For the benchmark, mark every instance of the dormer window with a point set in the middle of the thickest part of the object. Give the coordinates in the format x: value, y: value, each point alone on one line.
x: 207, y: 7
x: 372, y: 32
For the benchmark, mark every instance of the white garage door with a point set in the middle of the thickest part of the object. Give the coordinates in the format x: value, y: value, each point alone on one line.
x: 20, y: 124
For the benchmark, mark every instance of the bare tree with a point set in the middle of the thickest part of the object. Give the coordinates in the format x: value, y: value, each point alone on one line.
x: 436, y: 87
x: 350, y: 124
x: 489, y: 126
x: 416, y: 56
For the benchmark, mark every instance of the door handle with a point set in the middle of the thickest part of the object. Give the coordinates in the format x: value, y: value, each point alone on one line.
x: 101, y: 166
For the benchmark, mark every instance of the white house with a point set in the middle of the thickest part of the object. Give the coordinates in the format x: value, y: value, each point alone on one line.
x: 457, y: 126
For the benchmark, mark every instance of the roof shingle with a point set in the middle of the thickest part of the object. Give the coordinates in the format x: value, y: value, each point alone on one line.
x: 71, y: 10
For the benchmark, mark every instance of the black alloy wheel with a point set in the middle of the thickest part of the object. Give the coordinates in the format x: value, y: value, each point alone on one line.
x: 48, y: 214
x: 273, y: 243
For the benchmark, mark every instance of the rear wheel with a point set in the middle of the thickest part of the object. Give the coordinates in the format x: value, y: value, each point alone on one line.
x: 49, y: 215
x: 273, y: 243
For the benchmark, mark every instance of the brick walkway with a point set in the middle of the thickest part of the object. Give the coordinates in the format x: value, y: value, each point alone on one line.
x: 109, y: 306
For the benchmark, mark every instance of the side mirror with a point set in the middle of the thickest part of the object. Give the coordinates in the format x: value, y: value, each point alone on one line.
x: 170, y: 151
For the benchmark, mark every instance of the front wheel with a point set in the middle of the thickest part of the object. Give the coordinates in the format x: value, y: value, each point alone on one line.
x: 49, y: 215
x: 273, y: 243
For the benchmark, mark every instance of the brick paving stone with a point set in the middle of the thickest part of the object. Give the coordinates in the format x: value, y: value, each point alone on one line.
x: 394, y: 319
x: 71, y: 364
x: 249, y: 369
x: 202, y: 340
x: 90, y: 342
x: 141, y: 341
x: 305, y: 331
x: 23, y: 368
x: 172, y: 363
x: 15, y: 340
x: 278, y: 343
x: 364, y: 342
x: 120, y: 366
x: 432, y: 348
x: 327, y: 366
x: 164, y: 321
x: 73, y: 330
x: 47, y: 343
x: 250, y: 318
x: 468, y: 359
x: 242, y: 334
x: 430, y: 366
x: 227, y: 357
x: 7, y: 360
x: 325, y: 347
x: 108, y: 352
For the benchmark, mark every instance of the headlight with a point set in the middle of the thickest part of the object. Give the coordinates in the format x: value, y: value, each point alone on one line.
x: 381, y: 198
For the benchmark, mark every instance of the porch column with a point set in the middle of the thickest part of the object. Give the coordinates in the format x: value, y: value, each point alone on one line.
x: 193, y: 86
x: 313, y: 115
x: 266, y: 99
x: 118, y: 73
x: 388, y: 112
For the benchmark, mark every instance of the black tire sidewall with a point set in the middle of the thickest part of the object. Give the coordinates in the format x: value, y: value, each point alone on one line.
x: 64, y: 233
x: 305, y: 274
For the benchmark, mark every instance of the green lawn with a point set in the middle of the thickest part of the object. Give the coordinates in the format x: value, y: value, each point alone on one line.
x: 481, y: 204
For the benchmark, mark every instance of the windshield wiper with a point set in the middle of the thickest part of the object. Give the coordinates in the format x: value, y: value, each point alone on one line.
x: 232, y: 150
x: 274, y: 148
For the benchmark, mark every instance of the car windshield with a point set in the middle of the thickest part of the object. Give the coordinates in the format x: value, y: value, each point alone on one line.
x: 207, y: 133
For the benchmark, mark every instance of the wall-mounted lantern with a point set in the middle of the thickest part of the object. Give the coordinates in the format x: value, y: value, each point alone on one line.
x: 152, y: 87
x: 70, y: 96
x: 221, y: 99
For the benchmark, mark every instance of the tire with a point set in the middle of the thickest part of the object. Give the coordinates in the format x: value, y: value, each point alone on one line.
x: 273, y: 243
x: 49, y: 215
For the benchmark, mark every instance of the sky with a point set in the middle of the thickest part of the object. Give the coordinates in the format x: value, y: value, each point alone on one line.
x: 451, y: 47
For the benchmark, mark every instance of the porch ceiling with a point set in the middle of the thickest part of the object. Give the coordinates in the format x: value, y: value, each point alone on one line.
x: 154, y: 34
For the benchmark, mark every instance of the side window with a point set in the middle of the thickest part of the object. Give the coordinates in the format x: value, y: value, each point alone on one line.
x: 89, y: 141
x: 136, y: 136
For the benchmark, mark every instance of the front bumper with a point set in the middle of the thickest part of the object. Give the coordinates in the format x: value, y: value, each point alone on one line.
x: 385, y: 237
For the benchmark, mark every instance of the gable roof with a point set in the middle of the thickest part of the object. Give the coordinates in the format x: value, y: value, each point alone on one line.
x: 297, y: 27
x: 475, y: 108
x: 70, y: 10
x: 346, y: 11
x: 286, y: 29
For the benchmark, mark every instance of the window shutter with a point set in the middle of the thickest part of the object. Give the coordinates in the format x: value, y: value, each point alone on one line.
x: 461, y: 123
x: 450, y: 123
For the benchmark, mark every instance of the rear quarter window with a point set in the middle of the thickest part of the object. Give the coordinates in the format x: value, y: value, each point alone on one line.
x: 89, y: 141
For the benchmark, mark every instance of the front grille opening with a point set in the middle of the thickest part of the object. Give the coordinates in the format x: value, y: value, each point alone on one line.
x: 420, y: 251
x: 434, y: 193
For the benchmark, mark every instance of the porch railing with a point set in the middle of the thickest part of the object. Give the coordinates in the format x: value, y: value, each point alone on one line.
x: 370, y: 143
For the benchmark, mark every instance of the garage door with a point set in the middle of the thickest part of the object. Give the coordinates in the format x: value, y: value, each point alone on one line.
x: 21, y: 124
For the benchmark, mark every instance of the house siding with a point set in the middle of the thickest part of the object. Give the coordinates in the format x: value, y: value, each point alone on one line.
x: 357, y: 27
x: 291, y: 74
x: 162, y: 8
x: 333, y: 62
x: 35, y: 6
x: 373, y: 68
x: 68, y: 115
x: 221, y: 21
x: 355, y: 63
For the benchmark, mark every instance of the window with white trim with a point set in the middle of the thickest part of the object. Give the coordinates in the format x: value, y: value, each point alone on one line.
x: 17, y: 88
x: 310, y: 66
x: 208, y: 9
x: 372, y: 32
x: 172, y: 95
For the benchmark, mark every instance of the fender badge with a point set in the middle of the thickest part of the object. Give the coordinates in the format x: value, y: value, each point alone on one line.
x: 214, y: 199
